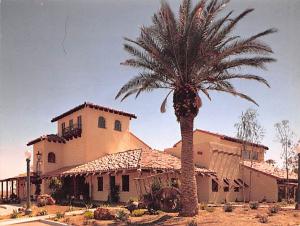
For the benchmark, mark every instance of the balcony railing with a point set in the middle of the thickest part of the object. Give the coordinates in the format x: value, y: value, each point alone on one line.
x: 72, y: 131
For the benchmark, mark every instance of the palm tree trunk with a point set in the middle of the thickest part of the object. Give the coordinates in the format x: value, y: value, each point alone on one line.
x: 189, y: 198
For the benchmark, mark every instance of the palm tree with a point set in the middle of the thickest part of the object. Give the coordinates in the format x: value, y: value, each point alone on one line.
x: 194, y: 53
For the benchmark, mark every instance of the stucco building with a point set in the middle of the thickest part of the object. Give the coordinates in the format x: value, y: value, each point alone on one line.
x: 94, y: 153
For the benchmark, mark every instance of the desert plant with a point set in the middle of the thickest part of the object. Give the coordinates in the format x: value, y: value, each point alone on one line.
x: 192, y: 223
x: 228, y: 207
x: 42, y: 212
x: 196, y: 52
x: 138, y: 213
x: 295, y: 214
x: 263, y: 219
x: 88, y: 206
x: 254, y: 205
x: 121, y: 215
x: 88, y: 215
x: 274, y: 209
x: 60, y: 215
x: 202, y: 206
x: 15, y: 214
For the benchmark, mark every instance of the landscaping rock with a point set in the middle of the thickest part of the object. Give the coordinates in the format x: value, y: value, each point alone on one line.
x: 103, y: 214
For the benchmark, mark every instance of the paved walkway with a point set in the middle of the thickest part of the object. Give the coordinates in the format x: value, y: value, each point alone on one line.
x: 8, y: 209
x: 35, y: 220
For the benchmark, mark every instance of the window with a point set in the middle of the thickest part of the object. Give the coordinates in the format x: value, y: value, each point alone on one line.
x: 79, y: 121
x: 51, y: 157
x: 125, y: 182
x: 236, y: 189
x: 245, y: 155
x: 214, y: 186
x: 255, y: 155
x: 226, y: 185
x: 101, y: 122
x: 71, y: 123
x: 118, y: 125
x: 174, y: 182
x: 100, y: 183
x: 63, y: 126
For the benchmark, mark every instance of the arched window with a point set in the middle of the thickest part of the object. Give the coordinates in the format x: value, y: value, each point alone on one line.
x: 101, y: 122
x: 51, y: 157
x: 118, y: 125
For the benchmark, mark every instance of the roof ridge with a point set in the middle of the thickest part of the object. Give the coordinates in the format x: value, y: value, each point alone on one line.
x: 91, y: 105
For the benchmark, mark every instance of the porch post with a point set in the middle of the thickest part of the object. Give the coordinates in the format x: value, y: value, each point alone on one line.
x: 1, y: 189
x: 91, y: 187
x: 12, y: 186
x: 18, y: 187
x: 74, y: 186
x: 7, y: 189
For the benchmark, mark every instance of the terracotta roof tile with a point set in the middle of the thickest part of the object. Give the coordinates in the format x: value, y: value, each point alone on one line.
x: 132, y: 159
x: 269, y: 170
x: 228, y: 138
x: 49, y: 137
x: 97, y: 107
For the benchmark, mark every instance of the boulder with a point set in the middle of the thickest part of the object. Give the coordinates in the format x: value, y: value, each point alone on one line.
x: 103, y: 214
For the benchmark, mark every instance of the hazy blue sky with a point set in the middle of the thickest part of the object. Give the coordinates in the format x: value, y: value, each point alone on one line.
x: 40, y: 78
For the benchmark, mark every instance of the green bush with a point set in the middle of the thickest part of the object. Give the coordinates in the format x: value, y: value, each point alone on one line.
x: 42, y: 212
x: 15, y: 214
x: 274, y: 209
x: 60, y: 215
x: 88, y: 215
x: 254, y: 205
x: 192, y: 223
x: 228, y: 207
x: 138, y: 213
x: 121, y: 215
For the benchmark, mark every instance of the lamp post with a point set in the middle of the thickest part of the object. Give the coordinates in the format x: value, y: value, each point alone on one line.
x: 28, y: 157
x: 37, y: 181
x: 297, y: 207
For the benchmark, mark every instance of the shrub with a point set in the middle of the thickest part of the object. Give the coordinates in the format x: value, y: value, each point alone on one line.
x: 210, y: 209
x: 88, y: 215
x: 263, y: 219
x: 296, y: 214
x: 203, y: 206
x: 254, y: 205
x: 152, y: 212
x: 103, y: 214
x: 42, y: 212
x: 60, y: 215
x: 228, y: 207
x: 192, y: 223
x: 15, y: 214
x: 138, y: 213
x: 121, y: 215
x: 274, y: 209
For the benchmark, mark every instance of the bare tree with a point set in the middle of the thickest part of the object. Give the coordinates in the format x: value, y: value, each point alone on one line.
x: 251, y: 133
x: 286, y: 137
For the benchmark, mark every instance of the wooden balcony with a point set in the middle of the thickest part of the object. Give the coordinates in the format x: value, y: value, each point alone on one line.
x: 71, y: 132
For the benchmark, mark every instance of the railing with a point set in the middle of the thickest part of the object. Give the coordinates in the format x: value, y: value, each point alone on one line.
x: 72, y: 131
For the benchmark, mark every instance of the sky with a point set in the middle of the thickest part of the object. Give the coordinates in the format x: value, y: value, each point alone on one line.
x: 58, y: 54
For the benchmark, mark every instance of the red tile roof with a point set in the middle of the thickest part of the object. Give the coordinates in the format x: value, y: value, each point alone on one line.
x: 132, y: 159
x: 50, y: 137
x: 228, y: 138
x: 269, y: 169
x: 97, y: 107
